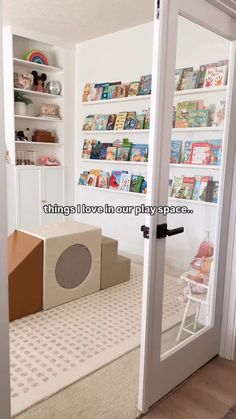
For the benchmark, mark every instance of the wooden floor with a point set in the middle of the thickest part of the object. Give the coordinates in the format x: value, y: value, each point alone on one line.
x: 207, y: 395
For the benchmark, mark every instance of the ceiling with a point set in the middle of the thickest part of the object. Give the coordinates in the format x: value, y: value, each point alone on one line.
x: 77, y: 20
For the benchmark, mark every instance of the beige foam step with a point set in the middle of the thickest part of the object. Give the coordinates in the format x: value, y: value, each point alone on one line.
x: 115, y: 273
x: 109, y: 250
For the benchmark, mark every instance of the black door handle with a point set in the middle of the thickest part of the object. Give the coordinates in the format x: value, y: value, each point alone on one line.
x: 175, y: 231
x: 162, y: 231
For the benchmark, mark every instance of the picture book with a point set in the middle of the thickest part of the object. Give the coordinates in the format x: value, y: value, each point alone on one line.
x: 103, y: 180
x: 146, y: 124
x: 115, y: 178
x: 187, y: 152
x: 103, y: 150
x: 123, y: 153
x: 125, y: 180
x: 88, y: 123
x: 183, y: 113
x: 105, y: 91
x: 112, y: 88
x: 202, y: 73
x: 216, y: 152
x: 120, y: 121
x: 200, y: 188
x: 139, y: 121
x: 176, y: 185
x: 119, y: 91
x: 191, y: 80
x: 111, y: 153
x: 200, y: 153
x: 170, y: 185
x: 87, y: 148
x: 111, y: 122
x: 92, y: 180
x: 100, y: 122
x: 145, y: 85
x: 178, y: 78
x: 136, y: 183
x: 215, y: 192
x: 83, y: 179
x: 95, y: 152
x: 88, y: 92
x: 139, y: 153
x: 175, y: 151
x: 134, y: 88
x: 144, y: 186
x: 199, y: 118
x: 98, y: 87
x: 95, y: 172
x: 185, y: 74
x: 219, y: 117
x: 216, y: 76
x: 130, y: 122
x: 186, y: 189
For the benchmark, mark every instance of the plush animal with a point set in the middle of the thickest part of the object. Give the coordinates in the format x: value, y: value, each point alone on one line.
x: 39, y: 81
x: 22, y: 135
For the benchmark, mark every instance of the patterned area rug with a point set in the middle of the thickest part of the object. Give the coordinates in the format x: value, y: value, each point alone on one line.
x: 231, y: 414
x: 52, y: 349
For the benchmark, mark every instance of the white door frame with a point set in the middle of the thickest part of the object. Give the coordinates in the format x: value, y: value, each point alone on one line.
x: 4, y: 316
x: 162, y: 103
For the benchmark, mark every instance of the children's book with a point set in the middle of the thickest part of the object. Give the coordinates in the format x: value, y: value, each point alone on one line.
x: 92, y: 180
x: 186, y: 189
x: 105, y: 91
x: 112, y: 89
x: 200, y: 154
x: 100, y: 122
x: 185, y: 75
x: 83, y: 179
x: 119, y: 91
x: 103, y: 150
x: 123, y: 153
x: 202, y: 73
x: 216, y: 152
x: 111, y: 122
x: 183, y: 113
x: 88, y: 92
x: 130, y: 122
x: 88, y: 123
x: 215, y: 192
x: 170, y: 185
x: 219, y: 117
x: 176, y: 186
x: 216, y: 76
x: 144, y: 187
x: 175, y: 151
x: 87, y: 148
x: 111, y: 153
x: 147, y: 119
x: 178, y: 78
x: 134, y: 88
x: 125, y: 180
x: 187, y: 152
x: 200, y: 188
x: 95, y: 152
x: 103, y: 180
x: 199, y: 118
x: 98, y: 87
x: 115, y: 178
x: 145, y: 85
x: 139, y: 153
x: 120, y: 121
x: 191, y: 80
x: 136, y: 183
x: 139, y: 121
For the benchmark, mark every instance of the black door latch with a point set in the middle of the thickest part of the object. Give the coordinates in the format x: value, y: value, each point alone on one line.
x: 162, y: 231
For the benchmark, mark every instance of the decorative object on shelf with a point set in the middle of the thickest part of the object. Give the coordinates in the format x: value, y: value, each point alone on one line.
x: 22, y: 135
x: 21, y: 103
x: 36, y: 56
x: 39, y: 81
x: 26, y: 158
x: 23, y: 81
x: 50, y: 111
x: 48, y: 161
x: 53, y: 87
x: 43, y: 136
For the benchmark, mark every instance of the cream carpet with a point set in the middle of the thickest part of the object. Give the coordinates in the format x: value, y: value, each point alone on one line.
x: 52, y: 349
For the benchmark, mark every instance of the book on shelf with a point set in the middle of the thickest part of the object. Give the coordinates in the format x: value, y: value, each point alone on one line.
x: 103, y: 150
x: 212, y: 191
x: 123, y: 153
x: 185, y: 75
x: 100, y: 122
x: 105, y: 91
x: 187, y: 187
x: 202, y: 73
x: 120, y: 91
x: 112, y: 89
x: 83, y: 179
x: 130, y: 122
x: 216, y: 76
x: 95, y: 152
x: 216, y: 152
x: 178, y: 78
x: 120, y: 121
x: 200, y: 188
x: 200, y: 153
x: 88, y: 92
x: 103, y: 180
x: 133, y: 89
x: 186, y: 155
x: 111, y: 153
x: 98, y: 90
x: 87, y: 148
x: 219, y: 116
x: 143, y: 189
x: 115, y: 178
x: 111, y: 122
x: 88, y: 123
x: 136, y: 183
x: 91, y: 180
x: 170, y: 186
x: 139, y: 153
x: 183, y: 111
x: 175, y: 152
x: 191, y: 80
x: 145, y: 85
x: 176, y: 185
x: 199, y: 118
x: 147, y: 114
x: 125, y: 180
x: 139, y: 121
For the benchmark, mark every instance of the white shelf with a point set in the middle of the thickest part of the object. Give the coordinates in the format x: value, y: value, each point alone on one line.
x: 194, y: 166
x: 191, y: 201
x: 34, y: 93
x: 202, y: 90
x: 202, y: 129
x: 29, y: 64
x: 112, y: 191
x: 115, y: 162
x: 117, y: 100
x: 38, y: 143
x: 37, y: 118
x: 115, y: 132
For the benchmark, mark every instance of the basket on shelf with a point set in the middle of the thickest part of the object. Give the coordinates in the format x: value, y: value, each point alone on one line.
x: 26, y: 158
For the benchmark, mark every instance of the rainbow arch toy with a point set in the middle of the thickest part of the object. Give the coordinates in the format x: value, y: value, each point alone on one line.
x: 36, y: 56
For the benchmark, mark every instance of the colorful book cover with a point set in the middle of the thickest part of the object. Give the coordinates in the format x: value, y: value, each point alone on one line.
x: 120, y: 121
x: 112, y: 88
x: 88, y: 92
x: 123, y: 153
x: 216, y: 152
x: 199, y: 118
x: 115, y: 177
x: 191, y: 80
x: 187, y: 152
x: 88, y: 123
x: 111, y: 122
x: 104, y: 90
x: 100, y: 122
x: 176, y: 186
x: 185, y: 74
x: 103, y: 180
x: 95, y: 152
x: 215, y: 192
x: 87, y: 148
x: 125, y: 180
x: 139, y: 153
x: 103, y: 150
x: 187, y: 188
x: 216, y: 76
x: 183, y: 113
x: 136, y: 183
x: 175, y: 151
x: 143, y: 189
x: 219, y: 117
x: 200, y: 188
x: 200, y: 154
x: 202, y: 73
x: 147, y: 114
x: 134, y: 88
x: 139, y: 121
x: 111, y: 153
x: 130, y: 122
x: 119, y: 91
x: 178, y: 78
x: 98, y: 91
x: 145, y: 85
x: 92, y: 180
x: 83, y: 179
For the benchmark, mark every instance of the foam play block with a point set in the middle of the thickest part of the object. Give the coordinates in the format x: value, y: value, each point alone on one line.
x: 25, y: 274
x: 72, y: 261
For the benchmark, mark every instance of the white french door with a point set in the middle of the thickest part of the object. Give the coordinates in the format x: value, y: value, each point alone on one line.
x: 187, y: 33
